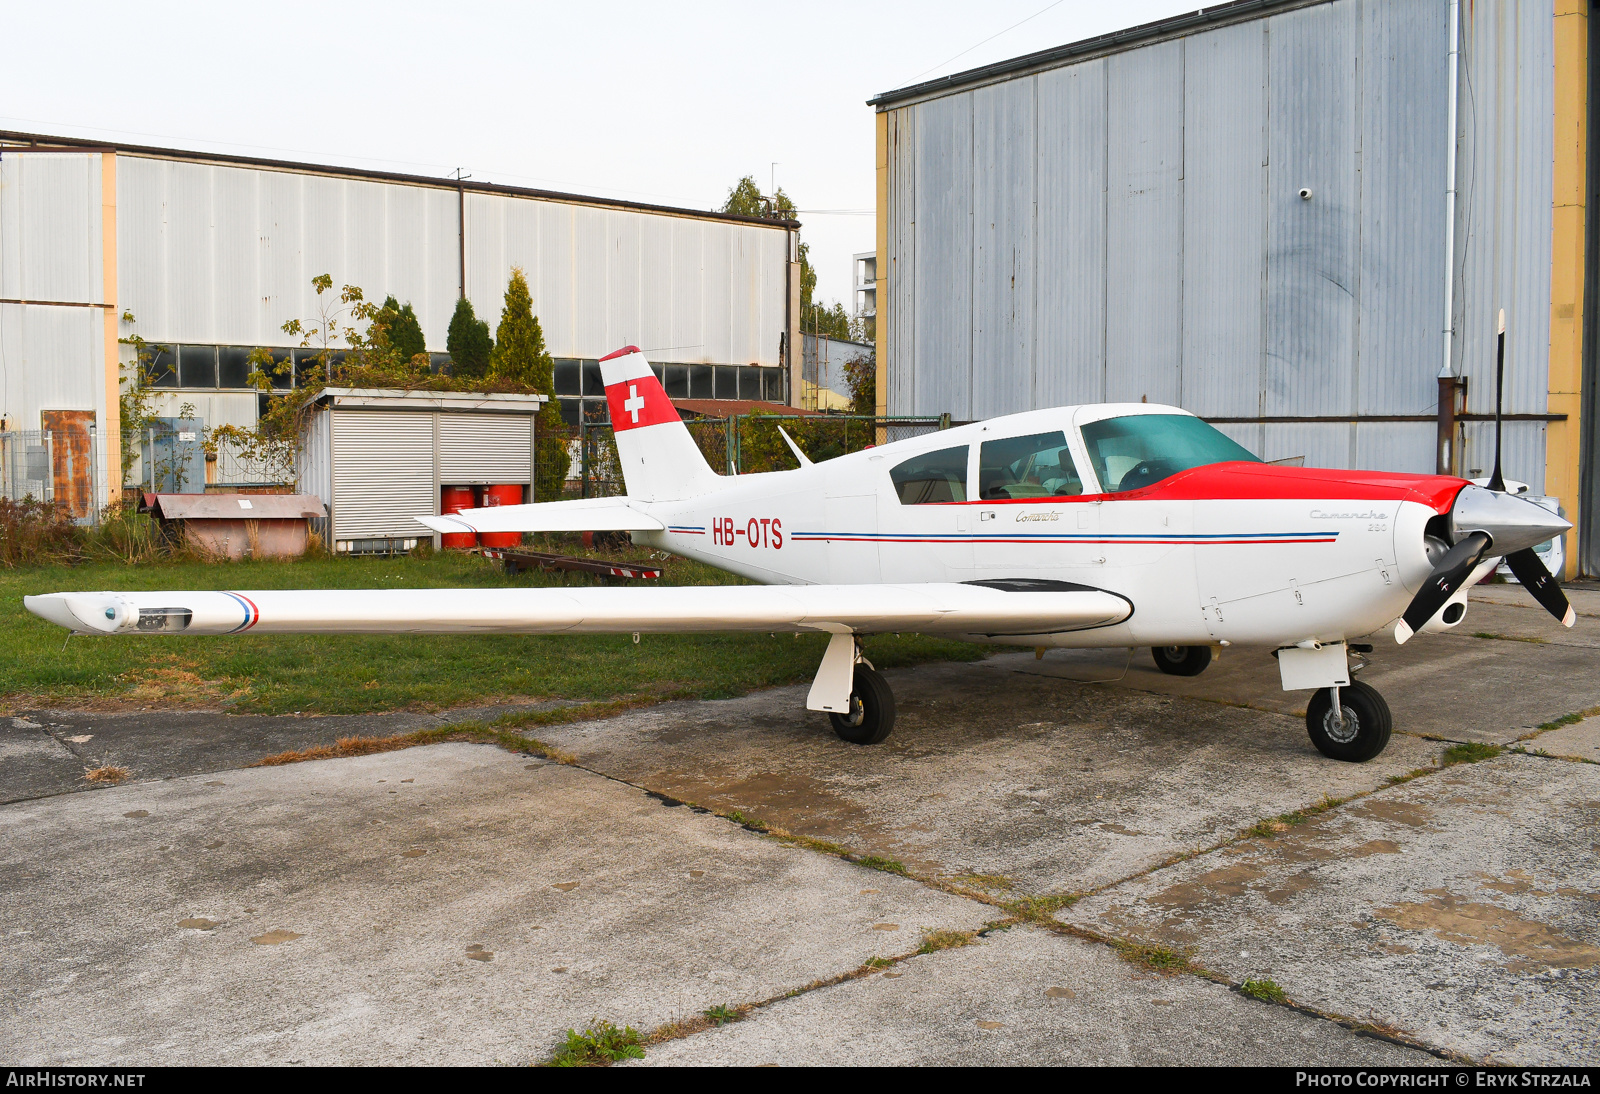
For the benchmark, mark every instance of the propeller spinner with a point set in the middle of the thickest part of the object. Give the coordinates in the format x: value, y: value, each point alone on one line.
x: 1486, y: 521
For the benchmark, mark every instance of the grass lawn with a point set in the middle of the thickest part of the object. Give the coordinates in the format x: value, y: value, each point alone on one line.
x: 344, y: 674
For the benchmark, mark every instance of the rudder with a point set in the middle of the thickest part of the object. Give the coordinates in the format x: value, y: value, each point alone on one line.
x: 660, y: 461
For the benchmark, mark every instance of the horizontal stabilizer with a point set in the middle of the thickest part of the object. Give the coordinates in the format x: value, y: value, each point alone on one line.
x: 934, y: 608
x: 578, y: 515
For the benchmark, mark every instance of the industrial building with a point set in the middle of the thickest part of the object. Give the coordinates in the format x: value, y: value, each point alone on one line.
x: 208, y: 255
x: 1296, y: 218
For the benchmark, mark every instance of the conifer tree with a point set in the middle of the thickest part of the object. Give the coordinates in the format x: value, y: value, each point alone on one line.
x: 404, y: 330
x: 520, y: 357
x: 469, y: 343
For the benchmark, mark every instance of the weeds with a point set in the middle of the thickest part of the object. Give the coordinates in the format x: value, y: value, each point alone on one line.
x: 1159, y: 959
x: 1415, y: 773
x: 985, y: 881
x: 1039, y: 909
x: 934, y: 941
x: 876, y: 963
x: 107, y: 774
x: 887, y: 865
x: 720, y: 1014
x: 1272, y: 826
x: 1470, y: 752
x: 751, y: 823
x: 1265, y: 990
x: 33, y: 533
x: 601, y: 1045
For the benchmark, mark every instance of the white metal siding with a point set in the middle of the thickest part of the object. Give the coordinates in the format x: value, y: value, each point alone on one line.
x: 50, y: 227
x: 484, y: 448
x: 383, y: 473
x: 1173, y: 257
x: 215, y: 253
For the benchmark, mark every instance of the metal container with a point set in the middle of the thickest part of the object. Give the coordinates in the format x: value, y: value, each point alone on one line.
x: 504, y: 494
x: 453, y: 499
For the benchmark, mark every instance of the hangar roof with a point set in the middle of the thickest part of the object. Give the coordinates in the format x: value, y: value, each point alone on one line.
x: 1203, y: 19
x: 48, y: 142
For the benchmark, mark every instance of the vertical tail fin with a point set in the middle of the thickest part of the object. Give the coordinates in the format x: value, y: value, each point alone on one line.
x: 660, y: 461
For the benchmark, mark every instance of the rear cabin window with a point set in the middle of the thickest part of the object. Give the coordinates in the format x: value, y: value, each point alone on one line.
x: 932, y: 477
x: 1036, y: 466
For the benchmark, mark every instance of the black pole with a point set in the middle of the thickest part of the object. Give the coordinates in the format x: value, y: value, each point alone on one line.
x: 1497, y: 480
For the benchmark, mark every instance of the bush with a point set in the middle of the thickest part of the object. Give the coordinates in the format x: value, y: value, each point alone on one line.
x: 35, y: 533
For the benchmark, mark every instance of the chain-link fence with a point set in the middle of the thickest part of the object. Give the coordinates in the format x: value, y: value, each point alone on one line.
x: 55, y: 466
x: 742, y: 444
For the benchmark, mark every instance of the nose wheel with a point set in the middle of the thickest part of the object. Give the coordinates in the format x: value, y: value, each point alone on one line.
x: 871, y: 713
x: 1354, y: 732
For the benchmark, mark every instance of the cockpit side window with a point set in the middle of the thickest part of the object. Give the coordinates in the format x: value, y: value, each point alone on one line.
x: 1037, y: 466
x: 932, y: 477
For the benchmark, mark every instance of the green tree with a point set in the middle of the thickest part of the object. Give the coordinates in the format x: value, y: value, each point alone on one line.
x: 469, y: 343
x: 746, y: 199
x: 861, y: 373
x: 520, y: 357
x: 404, y: 331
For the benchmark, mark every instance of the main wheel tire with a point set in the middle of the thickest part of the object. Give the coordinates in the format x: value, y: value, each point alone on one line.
x: 1181, y: 660
x: 871, y: 714
x: 1366, y: 725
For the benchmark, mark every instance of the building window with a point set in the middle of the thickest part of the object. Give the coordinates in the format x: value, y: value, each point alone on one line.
x: 161, y: 364
x: 233, y: 366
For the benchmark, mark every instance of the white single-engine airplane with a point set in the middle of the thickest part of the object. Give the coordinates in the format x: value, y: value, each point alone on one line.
x: 1118, y: 525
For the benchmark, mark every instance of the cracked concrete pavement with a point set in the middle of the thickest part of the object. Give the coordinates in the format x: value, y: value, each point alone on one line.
x: 464, y: 904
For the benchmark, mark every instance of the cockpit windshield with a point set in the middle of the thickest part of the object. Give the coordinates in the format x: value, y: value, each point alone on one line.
x: 1140, y: 449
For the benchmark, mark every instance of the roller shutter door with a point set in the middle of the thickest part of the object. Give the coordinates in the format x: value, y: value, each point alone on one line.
x: 485, y: 448
x: 383, y: 474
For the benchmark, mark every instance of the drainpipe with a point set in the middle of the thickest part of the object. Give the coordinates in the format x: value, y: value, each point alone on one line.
x: 1450, y: 385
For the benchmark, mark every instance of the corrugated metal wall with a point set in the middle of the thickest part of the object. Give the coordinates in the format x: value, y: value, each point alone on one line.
x: 1129, y: 226
x: 52, y: 355
x: 222, y: 254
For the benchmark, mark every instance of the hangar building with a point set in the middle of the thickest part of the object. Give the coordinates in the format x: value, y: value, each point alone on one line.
x: 1296, y: 218
x: 211, y: 254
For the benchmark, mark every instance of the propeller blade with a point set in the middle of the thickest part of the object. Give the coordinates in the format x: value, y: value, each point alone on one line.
x: 1497, y: 481
x: 1530, y: 570
x: 1442, y: 584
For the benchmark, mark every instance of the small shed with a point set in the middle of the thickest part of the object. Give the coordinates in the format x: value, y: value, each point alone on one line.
x: 378, y: 458
x: 239, y: 525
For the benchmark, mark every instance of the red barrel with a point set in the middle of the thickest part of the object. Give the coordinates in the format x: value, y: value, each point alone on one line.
x: 508, y: 494
x: 453, y: 499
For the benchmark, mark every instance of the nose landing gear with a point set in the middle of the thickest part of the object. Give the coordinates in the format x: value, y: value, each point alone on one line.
x: 1355, y: 730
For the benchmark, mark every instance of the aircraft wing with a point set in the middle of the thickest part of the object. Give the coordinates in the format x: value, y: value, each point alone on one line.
x: 578, y: 515
x: 1004, y: 608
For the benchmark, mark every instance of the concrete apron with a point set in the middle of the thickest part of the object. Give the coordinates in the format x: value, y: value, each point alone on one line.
x: 1005, y: 782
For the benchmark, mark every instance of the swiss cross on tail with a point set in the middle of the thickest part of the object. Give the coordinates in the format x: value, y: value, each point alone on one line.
x: 633, y: 392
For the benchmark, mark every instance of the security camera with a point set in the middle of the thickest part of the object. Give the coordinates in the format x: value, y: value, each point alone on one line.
x: 1305, y: 193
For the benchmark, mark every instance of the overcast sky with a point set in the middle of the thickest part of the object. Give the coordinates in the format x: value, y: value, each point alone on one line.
x: 667, y: 103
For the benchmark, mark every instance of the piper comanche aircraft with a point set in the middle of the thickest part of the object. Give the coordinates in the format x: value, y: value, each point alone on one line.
x: 1118, y: 525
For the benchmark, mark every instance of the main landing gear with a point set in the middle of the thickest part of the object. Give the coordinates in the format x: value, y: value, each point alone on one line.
x: 871, y: 713
x: 854, y: 695
x: 1181, y: 660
